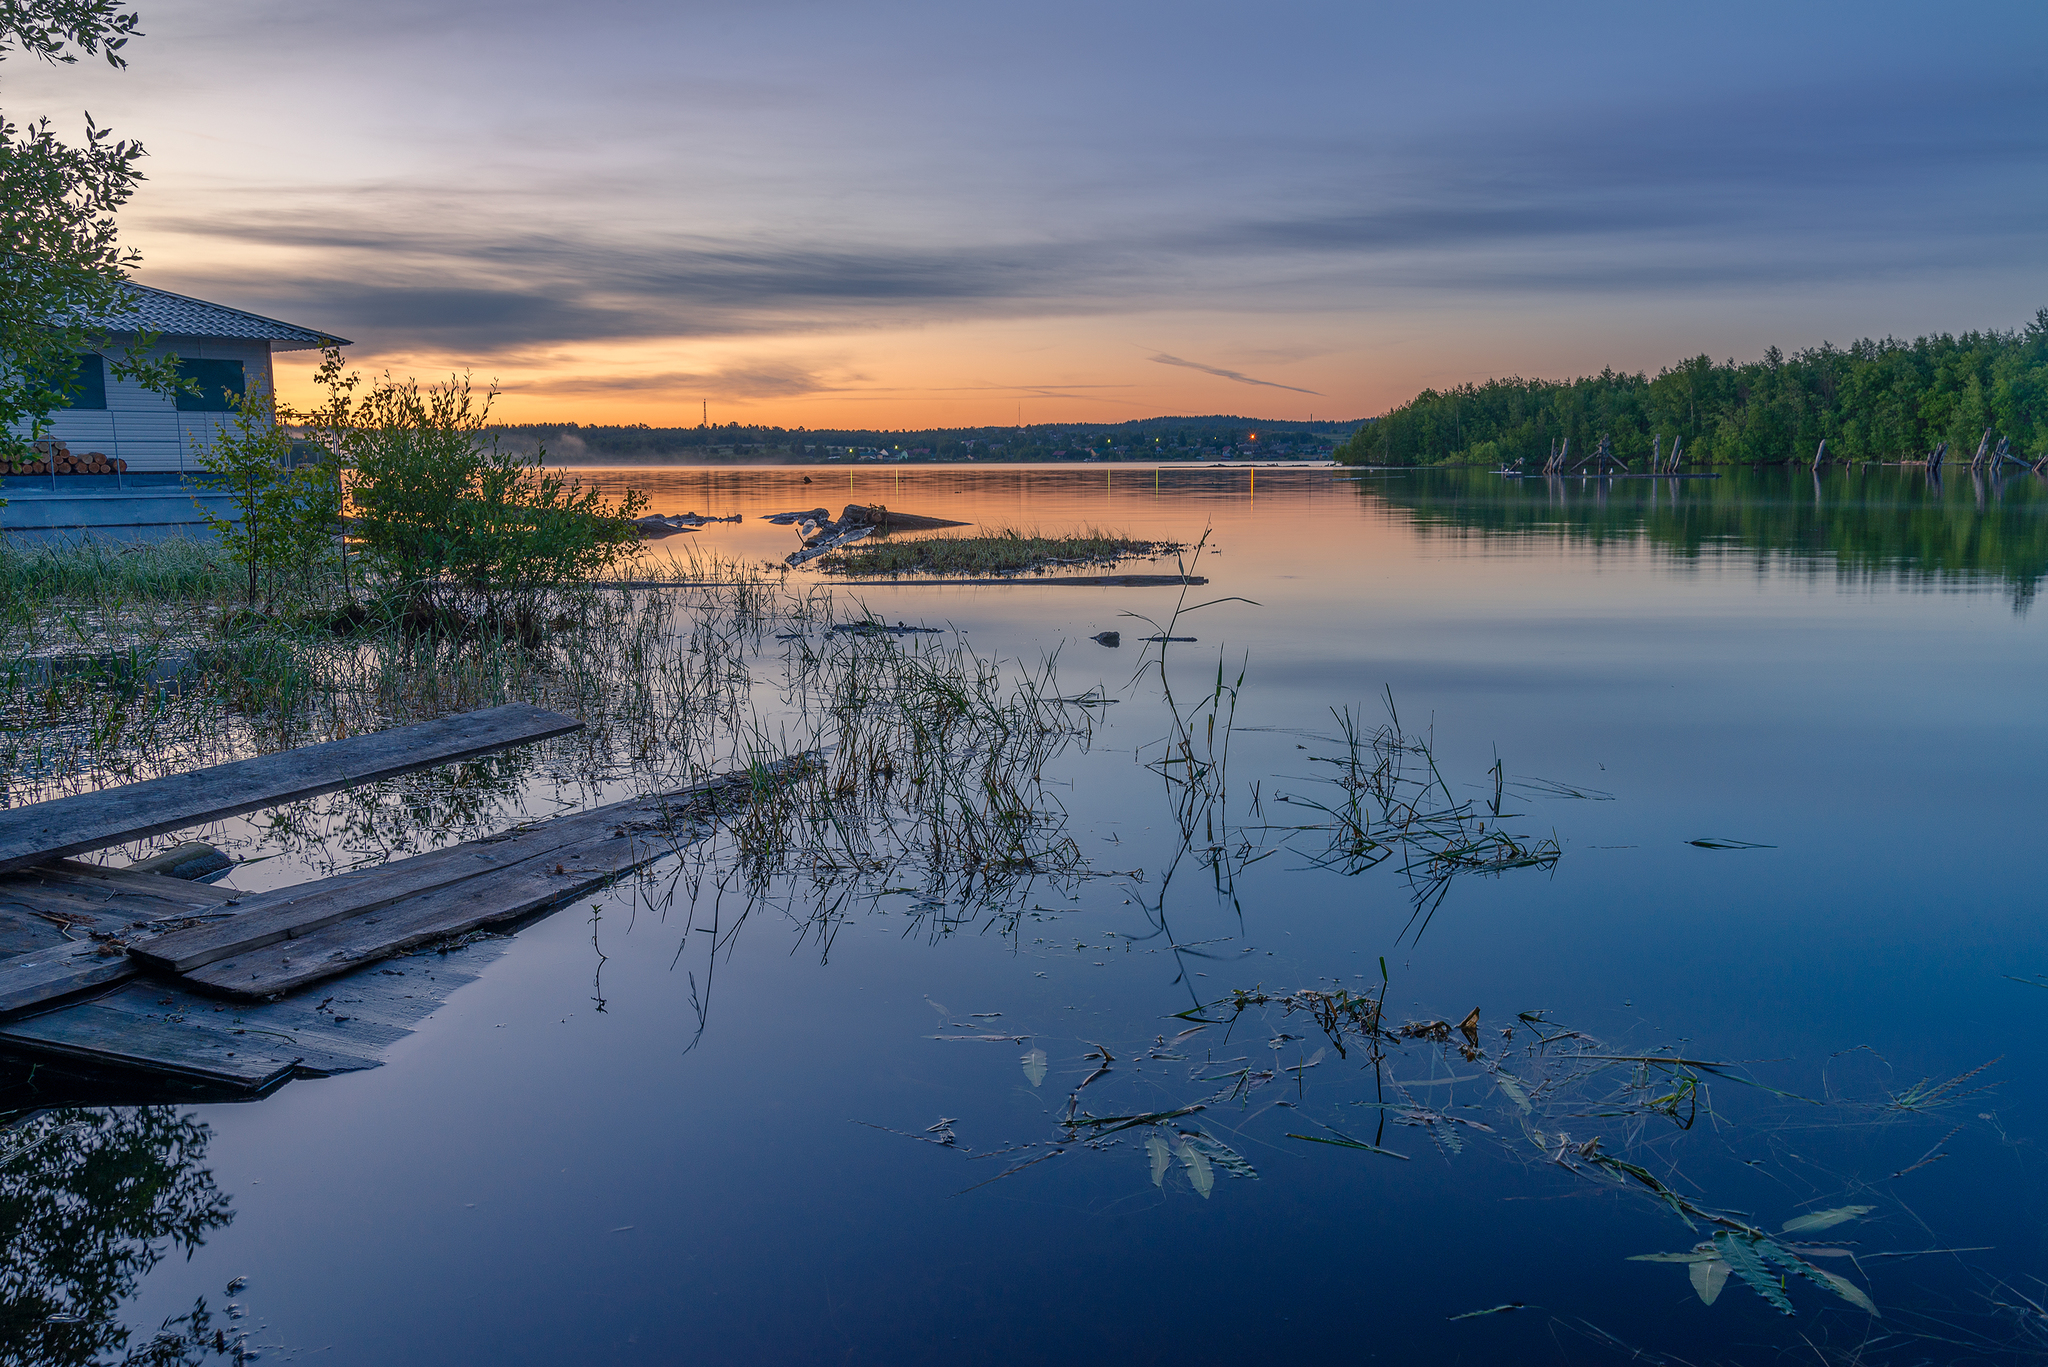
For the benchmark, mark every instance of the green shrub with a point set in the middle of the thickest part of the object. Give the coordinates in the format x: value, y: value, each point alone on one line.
x: 451, y: 526
x: 287, y: 518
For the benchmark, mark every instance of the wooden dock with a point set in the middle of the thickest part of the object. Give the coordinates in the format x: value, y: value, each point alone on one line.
x: 145, y: 971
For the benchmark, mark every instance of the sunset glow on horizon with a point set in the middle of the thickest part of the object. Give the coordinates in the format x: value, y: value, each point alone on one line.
x: 910, y: 216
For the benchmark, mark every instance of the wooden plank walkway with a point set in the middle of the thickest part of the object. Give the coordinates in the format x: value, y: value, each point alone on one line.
x: 101, y: 926
x: 331, y: 927
x: 43, y: 831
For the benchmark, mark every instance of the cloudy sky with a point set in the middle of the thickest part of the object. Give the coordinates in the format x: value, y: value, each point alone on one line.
x: 946, y: 213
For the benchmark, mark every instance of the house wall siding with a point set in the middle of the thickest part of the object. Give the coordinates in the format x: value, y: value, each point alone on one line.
x: 145, y: 428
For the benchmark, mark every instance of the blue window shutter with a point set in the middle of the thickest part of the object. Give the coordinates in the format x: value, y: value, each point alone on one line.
x: 89, y: 386
x: 219, y: 384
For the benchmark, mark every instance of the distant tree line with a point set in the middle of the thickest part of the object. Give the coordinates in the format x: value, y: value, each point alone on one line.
x: 1871, y: 401
x: 1178, y: 438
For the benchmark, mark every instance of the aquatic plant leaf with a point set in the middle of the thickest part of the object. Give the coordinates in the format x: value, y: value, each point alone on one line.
x: 1741, y: 1257
x: 1345, y: 1141
x: 1848, y: 1291
x: 1704, y: 1254
x: 1824, y: 1219
x: 1513, y: 1089
x: 1125, y: 1122
x: 1711, y: 843
x: 1792, y: 1262
x: 1708, y: 1277
x: 1679, y: 1205
x: 1162, y: 1157
x: 1199, y: 1172
x: 1034, y: 1066
x: 1543, y: 787
x: 1489, y: 1310
x: 1221, y: 1154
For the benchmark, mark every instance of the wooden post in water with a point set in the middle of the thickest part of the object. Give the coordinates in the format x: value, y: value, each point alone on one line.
x: 1674, y: 454
x: 1935, y: 457
x: 1820, y: 454
x: 1656, y: 453
x: 1603, y: 455
x: 1977, y: 461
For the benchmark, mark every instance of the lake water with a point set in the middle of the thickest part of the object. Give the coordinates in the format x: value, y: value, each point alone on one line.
x: 802, y: 1140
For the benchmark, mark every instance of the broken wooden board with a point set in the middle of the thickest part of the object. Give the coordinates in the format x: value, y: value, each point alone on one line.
x: 62, y: 970
x: 500, y: 894
x: 66, y: 924
x: 243, y: 1047
x: 288, y: 913
x: 43, y: 831
x: 375, y: 981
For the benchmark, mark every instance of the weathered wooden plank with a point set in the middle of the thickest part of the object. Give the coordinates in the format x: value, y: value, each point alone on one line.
x: 300, y: 1025
x: 99, y: 1033
x: 287, y: 913
x: 500, y: 895
x: 22, y: 930
x: 89, y: 821
x: 112, y: 881
x: 59, y: 906
x: 101, y: 910
x: 40, y: 976
x: 382, y: 1004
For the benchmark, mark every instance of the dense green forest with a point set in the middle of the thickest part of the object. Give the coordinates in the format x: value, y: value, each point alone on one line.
x: 1871, y: 401
x: 1146, y: 439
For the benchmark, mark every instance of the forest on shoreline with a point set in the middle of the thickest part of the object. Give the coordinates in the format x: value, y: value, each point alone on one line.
x: 1144, y: 439
x: 1871, y: 401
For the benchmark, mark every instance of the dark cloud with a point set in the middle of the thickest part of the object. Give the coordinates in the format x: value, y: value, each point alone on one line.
x: 1858, y: 177
x: 481, y: 292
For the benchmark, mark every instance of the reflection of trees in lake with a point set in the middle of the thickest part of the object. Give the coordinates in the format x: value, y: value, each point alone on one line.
x: 90, y: 1201
x: 1873, y: 520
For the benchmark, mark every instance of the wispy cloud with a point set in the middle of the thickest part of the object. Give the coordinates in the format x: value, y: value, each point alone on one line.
x: 808, y: 217
x: 1163, y: 359
x: 760, y: 381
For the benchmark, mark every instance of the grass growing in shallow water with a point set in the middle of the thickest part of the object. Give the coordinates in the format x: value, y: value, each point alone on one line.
x: 1006, y: 550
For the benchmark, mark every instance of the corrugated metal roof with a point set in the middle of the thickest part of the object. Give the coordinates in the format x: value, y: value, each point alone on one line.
x: 177, y: 315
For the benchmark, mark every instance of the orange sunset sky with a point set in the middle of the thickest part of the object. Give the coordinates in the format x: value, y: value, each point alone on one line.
x: 906, y: 216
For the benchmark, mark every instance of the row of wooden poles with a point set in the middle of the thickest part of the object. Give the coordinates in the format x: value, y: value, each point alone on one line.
x: 1603, y: 457
x: 1988, y: 456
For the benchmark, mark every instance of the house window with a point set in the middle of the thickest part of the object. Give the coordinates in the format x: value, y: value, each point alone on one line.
x: 88, y: 388
x: 219, y: 384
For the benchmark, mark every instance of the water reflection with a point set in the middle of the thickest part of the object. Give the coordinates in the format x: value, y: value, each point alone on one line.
x: 1864, y: 519
x: 90, y: 1202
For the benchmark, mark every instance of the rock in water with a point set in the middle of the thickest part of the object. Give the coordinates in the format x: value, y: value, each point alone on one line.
x: 191, y: 861
x: 1108, y: 638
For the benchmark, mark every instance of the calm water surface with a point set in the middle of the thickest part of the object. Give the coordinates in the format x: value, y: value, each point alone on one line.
x: 729, y: 1161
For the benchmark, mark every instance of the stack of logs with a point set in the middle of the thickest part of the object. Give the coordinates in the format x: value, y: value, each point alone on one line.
x: 56, y: 457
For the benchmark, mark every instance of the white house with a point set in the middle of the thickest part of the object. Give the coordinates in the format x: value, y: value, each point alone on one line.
x: 225, y: 351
